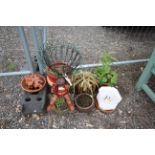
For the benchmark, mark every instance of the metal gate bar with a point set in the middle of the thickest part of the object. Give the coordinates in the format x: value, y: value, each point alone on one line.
x: 114, y: 63
x: 36, y: 45
x: 26, y: 48
x: 14, y: 73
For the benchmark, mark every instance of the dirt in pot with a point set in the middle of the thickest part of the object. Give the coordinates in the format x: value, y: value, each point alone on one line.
x: 84, y: 101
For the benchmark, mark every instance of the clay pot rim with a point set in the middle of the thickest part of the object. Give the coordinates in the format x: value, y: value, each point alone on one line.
x: 51, y: 83
x: 85, y: 109
x: 35, y: 90
x: 57, y: 63
x: 104, y: 85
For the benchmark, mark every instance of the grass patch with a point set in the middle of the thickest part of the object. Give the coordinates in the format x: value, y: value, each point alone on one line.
x: 11, y: 67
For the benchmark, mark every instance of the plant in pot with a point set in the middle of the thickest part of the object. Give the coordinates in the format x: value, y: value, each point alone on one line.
x: 105, y: 75
x: 108, y: 96
x: 84, y: 83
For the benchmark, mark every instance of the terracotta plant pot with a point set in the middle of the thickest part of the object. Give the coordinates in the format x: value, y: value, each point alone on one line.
x: 51, y: 79
x: 58, y: 67
x: 33, y: 83
x: 84, y: 102
x: 104, y: 85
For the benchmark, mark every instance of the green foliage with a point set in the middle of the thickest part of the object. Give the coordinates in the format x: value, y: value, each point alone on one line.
x: 72, y: 89
x: 60, y: 102
x: 105, y: 74
x: 11, y: 66
x: 61, y: 106
x: 50, y: 71
x: 85, y: 81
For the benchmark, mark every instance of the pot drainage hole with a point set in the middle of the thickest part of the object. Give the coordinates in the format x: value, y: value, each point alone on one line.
x: 27, y: 99
x: 39, y: 98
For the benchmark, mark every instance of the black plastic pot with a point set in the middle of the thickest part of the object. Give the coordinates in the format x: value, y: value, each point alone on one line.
x: 84, y: 102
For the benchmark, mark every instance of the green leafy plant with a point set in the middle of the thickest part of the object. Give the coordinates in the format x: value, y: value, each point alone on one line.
x: 85, y: 81
x: 60, y: 102
x: 105, y: 74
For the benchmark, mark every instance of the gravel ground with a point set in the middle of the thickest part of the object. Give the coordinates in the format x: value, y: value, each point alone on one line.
x: 135, y: 111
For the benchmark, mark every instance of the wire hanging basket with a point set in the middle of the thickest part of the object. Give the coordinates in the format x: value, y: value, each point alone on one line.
x: 62, y: 59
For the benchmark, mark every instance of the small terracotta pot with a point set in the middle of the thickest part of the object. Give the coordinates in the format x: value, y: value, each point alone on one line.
x: 104, y: 85
x: 84, y: 108
x: 24, y: 85
x: 51, y: 79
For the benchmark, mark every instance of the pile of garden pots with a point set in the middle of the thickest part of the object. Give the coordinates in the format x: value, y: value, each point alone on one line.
x: 78, y: 89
